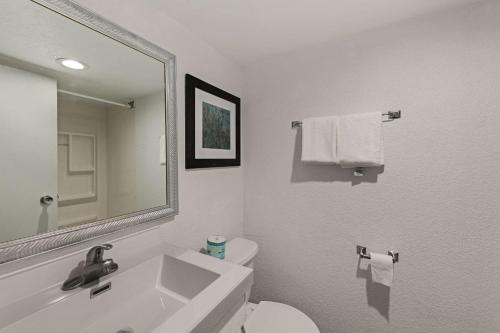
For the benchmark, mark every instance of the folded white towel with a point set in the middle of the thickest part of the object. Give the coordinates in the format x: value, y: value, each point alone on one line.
x: 360, y: 140
x: 319, y: 140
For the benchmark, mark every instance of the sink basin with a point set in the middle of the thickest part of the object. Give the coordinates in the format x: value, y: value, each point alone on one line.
x: 174, y: 291
x: 184, y: 279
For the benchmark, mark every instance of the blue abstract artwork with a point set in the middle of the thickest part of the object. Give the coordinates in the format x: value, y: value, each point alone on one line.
x: 216, y: 127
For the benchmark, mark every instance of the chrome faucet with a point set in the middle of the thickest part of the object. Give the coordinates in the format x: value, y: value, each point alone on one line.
x: 94, y: 268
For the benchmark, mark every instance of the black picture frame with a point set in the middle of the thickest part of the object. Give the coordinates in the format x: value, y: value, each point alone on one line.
x: 193, y: 83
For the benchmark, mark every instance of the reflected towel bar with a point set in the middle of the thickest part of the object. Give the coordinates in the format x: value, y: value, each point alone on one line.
x: 361, y: 251
x: 391, y: 115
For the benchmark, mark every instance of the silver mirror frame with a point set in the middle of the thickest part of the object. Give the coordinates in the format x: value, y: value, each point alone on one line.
x: 30, y: 246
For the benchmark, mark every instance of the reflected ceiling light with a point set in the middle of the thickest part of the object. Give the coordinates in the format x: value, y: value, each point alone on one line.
x: 72, y: 64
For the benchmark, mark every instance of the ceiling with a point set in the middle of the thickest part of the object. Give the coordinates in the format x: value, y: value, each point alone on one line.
x: 32, y: 37
x: 248, y: 30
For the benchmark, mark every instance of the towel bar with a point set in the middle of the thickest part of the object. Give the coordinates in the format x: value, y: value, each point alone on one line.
x: 361, y: 251
x: 391, y: 115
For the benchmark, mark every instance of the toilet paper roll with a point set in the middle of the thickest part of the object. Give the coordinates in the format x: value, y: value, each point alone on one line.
x: 382, y: 268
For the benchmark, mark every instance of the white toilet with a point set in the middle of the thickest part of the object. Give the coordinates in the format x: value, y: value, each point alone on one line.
x: 266, y: 317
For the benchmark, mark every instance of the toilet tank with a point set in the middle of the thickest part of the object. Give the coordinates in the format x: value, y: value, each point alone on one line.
x: 241, y: 251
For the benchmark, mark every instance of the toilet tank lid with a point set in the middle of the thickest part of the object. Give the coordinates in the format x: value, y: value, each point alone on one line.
x: 240, y: 251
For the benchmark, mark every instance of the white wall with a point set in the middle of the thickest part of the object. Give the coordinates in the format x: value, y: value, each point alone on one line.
x: 121, y: 157
x: 150, y: 174
x: 436, y: 202
x: 211, y: 200
x: 28, y: 153
x: 137, y: 181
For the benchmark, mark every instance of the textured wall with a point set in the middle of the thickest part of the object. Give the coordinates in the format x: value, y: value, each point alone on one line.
x: 211, y: 200
x: 436, y: 201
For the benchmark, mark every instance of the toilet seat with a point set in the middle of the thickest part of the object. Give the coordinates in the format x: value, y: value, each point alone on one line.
x: 272, y: 317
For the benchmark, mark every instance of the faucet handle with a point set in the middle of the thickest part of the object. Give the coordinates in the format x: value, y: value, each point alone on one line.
x: 96, y: 253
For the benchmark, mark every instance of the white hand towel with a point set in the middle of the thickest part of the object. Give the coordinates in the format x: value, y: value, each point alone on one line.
x: 163, y: 150
x: 382, y: 268
x: 319, y: 140
x: 360, y: 142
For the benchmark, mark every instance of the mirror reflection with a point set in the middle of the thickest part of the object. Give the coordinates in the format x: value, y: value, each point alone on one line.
x: 83, y: 124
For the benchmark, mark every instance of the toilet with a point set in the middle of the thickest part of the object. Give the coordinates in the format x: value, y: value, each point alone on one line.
x: 266, y: 317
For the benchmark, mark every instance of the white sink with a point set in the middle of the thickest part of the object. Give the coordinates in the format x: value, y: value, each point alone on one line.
x: 174, y: 291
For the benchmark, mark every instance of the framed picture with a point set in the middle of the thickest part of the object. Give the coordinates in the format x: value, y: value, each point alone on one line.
x: 212, y: 126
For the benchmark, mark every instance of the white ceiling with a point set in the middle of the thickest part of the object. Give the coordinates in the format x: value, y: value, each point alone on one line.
x: 32, y: 37
x: 247, y: 30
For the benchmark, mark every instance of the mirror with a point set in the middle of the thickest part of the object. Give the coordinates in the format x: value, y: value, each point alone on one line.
x: 86, y: 132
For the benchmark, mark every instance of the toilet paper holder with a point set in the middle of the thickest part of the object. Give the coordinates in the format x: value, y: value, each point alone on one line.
x: 362, y: 252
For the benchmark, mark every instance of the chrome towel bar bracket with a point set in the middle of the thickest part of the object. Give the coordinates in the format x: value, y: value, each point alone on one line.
x: 362, y: 252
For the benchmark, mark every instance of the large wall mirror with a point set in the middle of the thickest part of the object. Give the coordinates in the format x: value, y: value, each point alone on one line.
x: 87, y: 128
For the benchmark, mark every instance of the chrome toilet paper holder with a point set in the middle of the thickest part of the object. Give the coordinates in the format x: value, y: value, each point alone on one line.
x: 362, y: 252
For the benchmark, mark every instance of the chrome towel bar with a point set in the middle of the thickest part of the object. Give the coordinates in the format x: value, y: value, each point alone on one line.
x: 391, y: 115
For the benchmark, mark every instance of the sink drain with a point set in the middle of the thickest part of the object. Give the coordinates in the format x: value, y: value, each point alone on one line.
x: 126, y: 330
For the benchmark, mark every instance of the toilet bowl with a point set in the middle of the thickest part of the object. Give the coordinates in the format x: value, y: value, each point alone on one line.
x: 267, y: 317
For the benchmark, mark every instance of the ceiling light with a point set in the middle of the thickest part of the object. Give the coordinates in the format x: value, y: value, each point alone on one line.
x: 71, y: 63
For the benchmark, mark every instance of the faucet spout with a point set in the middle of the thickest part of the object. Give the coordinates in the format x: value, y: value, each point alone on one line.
x: 94, y: 268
